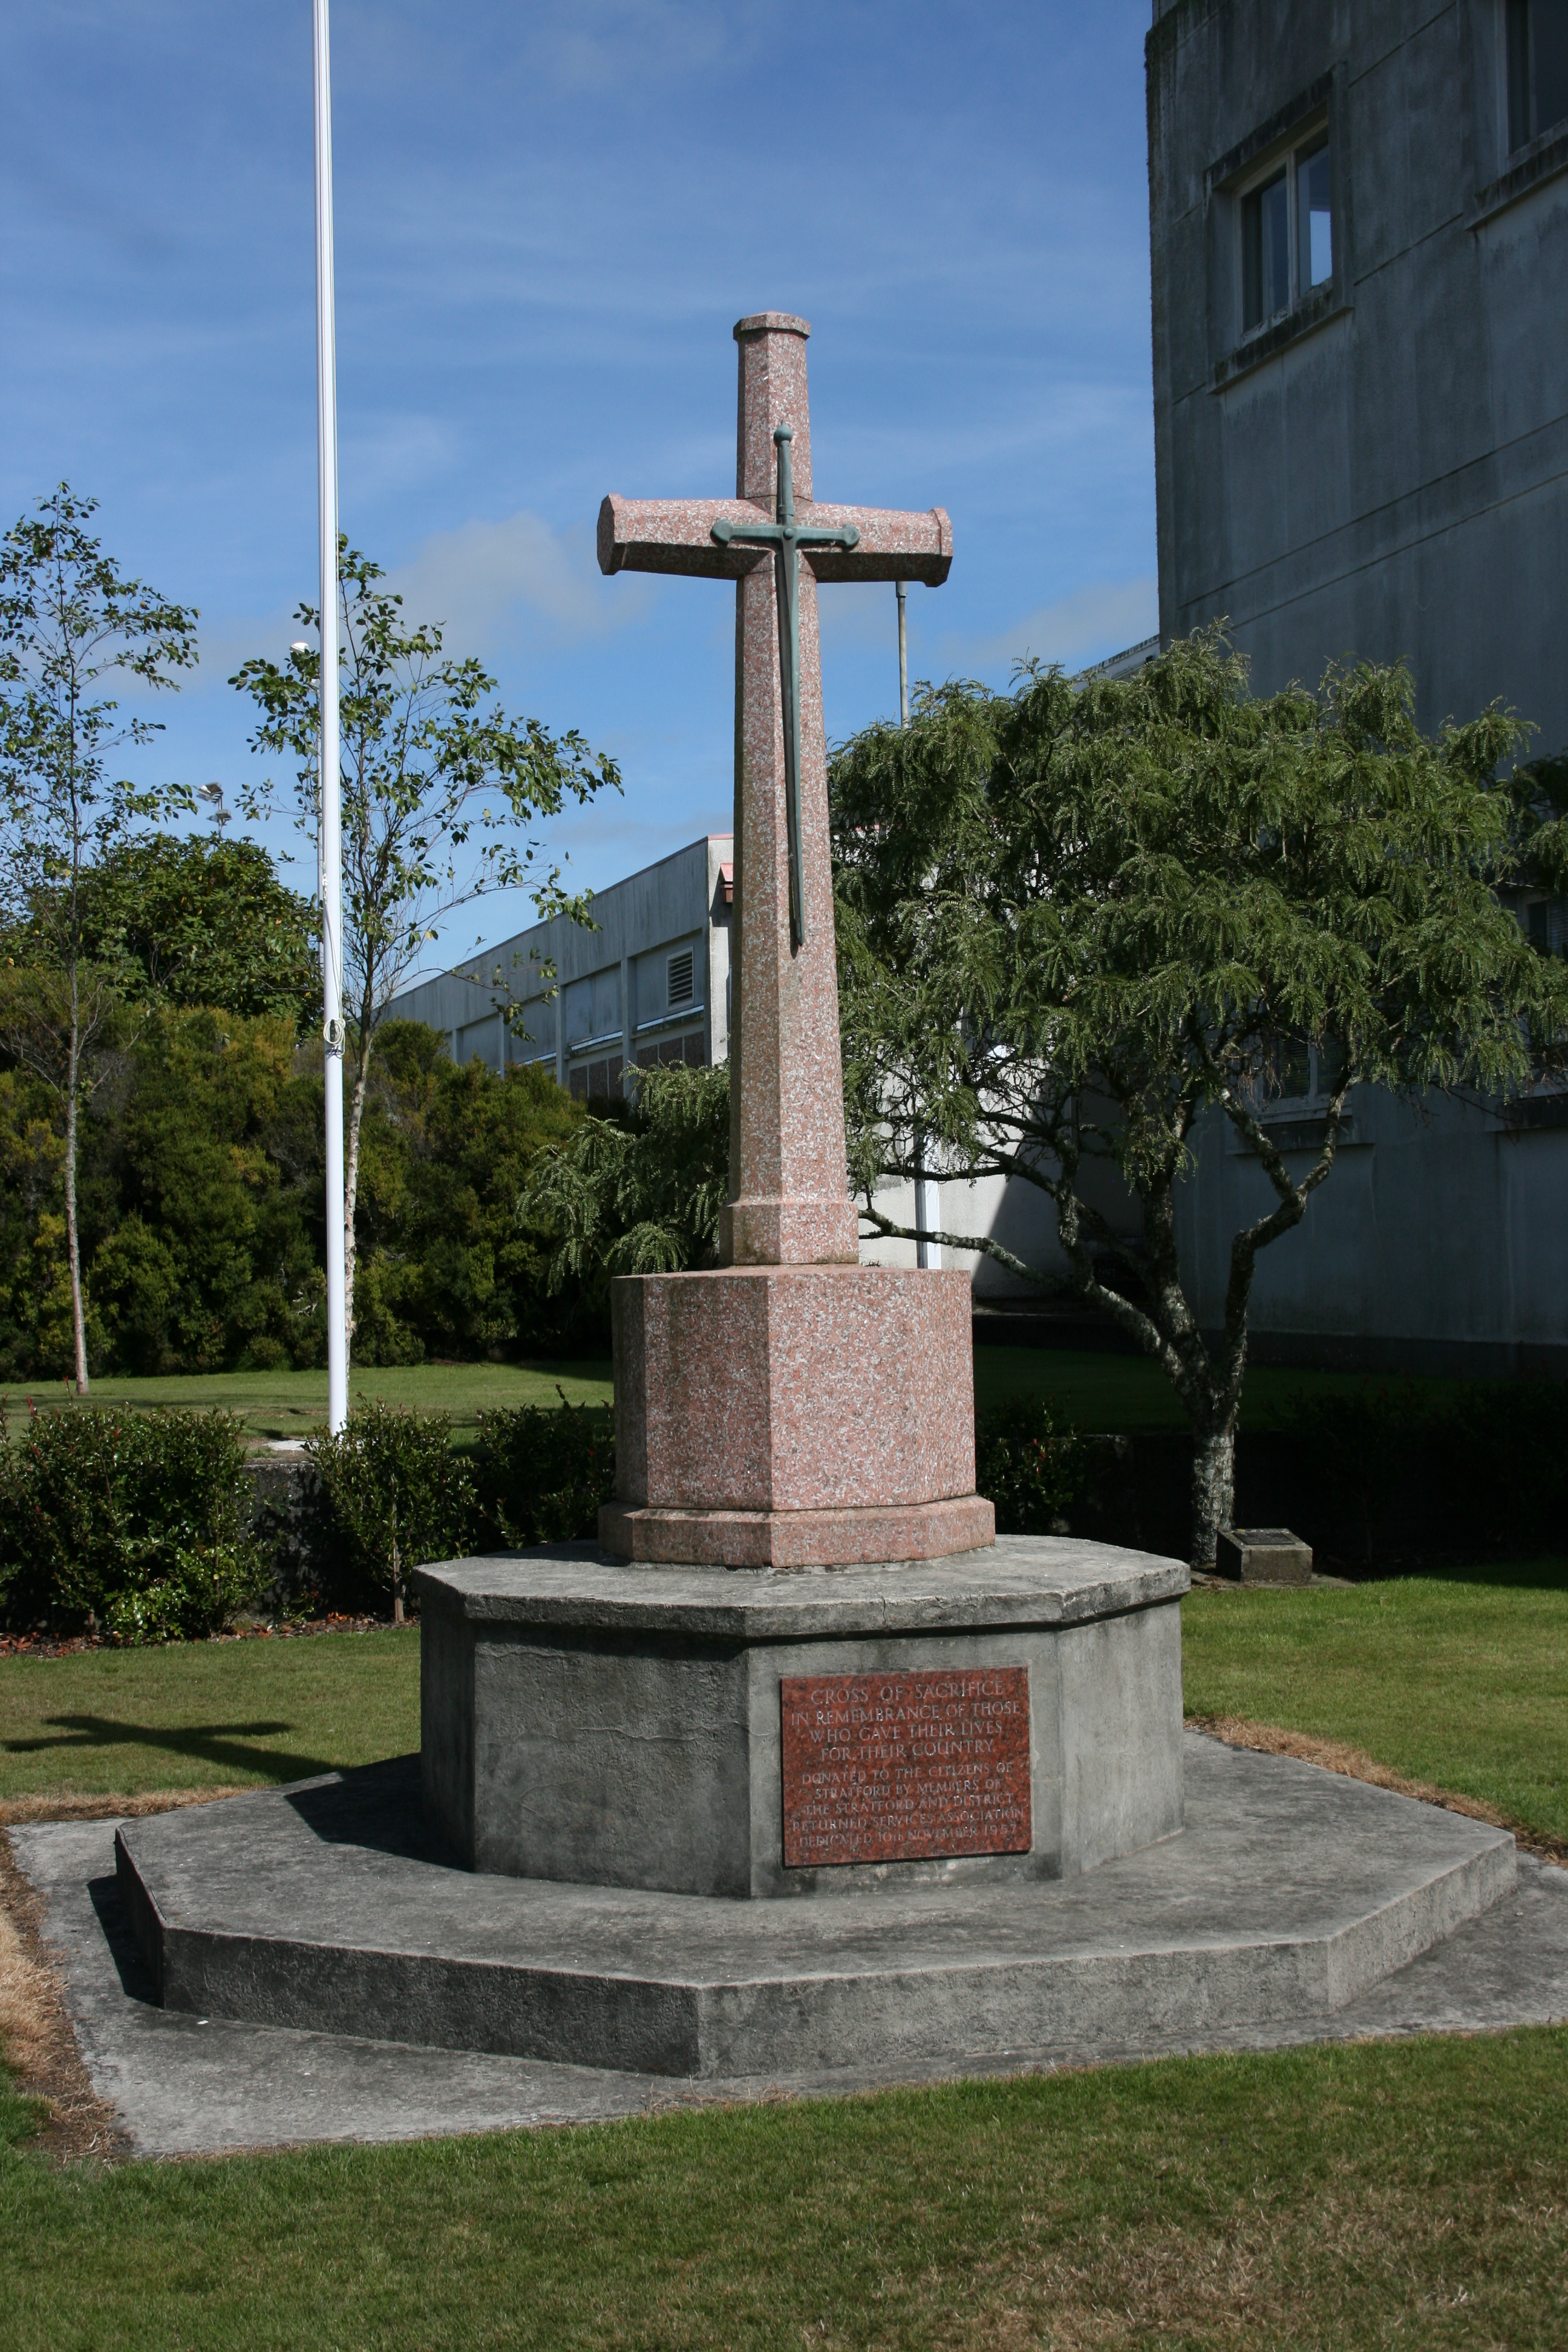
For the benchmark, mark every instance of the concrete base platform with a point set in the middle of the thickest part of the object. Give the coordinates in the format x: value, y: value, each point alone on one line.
x: 327, y: 1906
x: 603, y: 1724
x: 186, y: 2085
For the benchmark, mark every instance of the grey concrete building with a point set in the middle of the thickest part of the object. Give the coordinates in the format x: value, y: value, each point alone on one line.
x: 650, y: 982
x: 1359, y: 231
x: 1359, y: 224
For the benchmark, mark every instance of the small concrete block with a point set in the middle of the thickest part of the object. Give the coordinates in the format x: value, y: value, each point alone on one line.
x: 1263, y: 1556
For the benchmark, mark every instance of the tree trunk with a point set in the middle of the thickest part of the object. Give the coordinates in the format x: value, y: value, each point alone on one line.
x: 73, y: 1244
x: 350, y: 1194
x: 1213, y: 1491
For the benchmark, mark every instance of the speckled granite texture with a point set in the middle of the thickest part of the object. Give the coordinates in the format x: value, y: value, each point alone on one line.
x: 836, y: 1395
x: 793, y: 1388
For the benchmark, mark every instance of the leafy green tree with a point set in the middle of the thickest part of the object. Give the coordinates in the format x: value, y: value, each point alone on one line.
x: 640, y: 1193
x: 205, y: 922
x: 35, y: 1278
x: 204, y: 1245
x: 439, y: 786
x: 68, y: 621
x: 1073, y: 922
x: 446, y: 1269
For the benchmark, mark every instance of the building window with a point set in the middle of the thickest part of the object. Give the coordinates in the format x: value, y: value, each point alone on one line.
x: 681, y: 977
x: 670, y: 1050
x: 1537, y: 41
x: 1287, y: 235
x: 1305, y: 1069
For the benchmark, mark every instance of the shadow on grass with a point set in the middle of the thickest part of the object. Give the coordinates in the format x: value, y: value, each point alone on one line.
x: 224, y: 1744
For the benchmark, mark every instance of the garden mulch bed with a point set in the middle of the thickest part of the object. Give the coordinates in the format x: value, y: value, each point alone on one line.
x: 71, y: 1645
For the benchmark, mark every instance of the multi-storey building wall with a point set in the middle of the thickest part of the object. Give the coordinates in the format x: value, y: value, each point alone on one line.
x: 1359, y: 229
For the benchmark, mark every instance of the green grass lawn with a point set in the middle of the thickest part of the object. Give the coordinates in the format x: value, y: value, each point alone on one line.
x: 293, y: 1404
x: 205, y: 1713
x: 1458, y: 1679
x: 1414, y: 2192
x: 1092, y: 1391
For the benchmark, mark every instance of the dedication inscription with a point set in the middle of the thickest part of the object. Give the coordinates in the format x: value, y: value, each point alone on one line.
x: 904, y: 1766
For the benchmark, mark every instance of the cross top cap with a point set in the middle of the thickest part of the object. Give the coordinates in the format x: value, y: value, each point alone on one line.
x: 771, y: 322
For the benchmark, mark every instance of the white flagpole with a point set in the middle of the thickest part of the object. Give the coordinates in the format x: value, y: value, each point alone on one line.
x: 330, y: 770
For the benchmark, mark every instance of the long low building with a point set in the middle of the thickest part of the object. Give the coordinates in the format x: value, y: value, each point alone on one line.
x: 648, y: 983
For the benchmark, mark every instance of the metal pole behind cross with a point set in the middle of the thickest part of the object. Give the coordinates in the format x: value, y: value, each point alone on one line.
x: 330, y: 775
x: 903, y: 659
x: 928, y: 1198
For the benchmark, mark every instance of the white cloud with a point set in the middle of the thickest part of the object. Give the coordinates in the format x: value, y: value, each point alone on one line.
x: 478, y: 581
x: 1097, y: 620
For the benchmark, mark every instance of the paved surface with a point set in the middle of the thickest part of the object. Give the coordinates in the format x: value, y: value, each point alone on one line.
x: 192, y: 2084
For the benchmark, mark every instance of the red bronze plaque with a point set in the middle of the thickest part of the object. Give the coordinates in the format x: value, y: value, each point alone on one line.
x: 899, y: 1766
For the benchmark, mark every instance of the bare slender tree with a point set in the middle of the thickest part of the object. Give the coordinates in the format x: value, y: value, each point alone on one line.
x: 438, y: 785
x: 68, y: 621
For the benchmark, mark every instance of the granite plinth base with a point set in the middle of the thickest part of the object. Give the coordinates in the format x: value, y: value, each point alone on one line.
x: 837, y: 1539
x: 331, y: 1907
x: 750, y: 1393
x: 614, y: 1724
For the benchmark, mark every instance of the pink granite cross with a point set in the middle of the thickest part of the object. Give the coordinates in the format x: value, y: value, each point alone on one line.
x: 789, y: 1199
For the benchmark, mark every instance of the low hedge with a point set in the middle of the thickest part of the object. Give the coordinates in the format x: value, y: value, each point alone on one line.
x: 133, y: 1524
x: 1032, y: 1468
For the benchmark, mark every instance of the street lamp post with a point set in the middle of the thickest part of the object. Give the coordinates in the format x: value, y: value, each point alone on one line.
x: 330, y: 780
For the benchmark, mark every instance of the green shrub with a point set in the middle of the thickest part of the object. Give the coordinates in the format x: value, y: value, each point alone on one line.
x: 1488, y: 1466
x: 1031, y: 1470
x: 1360, y: 1442
x: 542, y: 1472
x: 393, y: 1495
x: 136, y: 1522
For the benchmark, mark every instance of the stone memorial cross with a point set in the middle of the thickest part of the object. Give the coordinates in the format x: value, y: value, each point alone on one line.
x: 788, y: 1201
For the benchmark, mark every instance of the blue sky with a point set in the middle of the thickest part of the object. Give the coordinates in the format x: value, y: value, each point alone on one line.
x: 547, y: 219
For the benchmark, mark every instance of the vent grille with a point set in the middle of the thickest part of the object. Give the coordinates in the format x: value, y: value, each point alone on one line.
x: 682, y: 972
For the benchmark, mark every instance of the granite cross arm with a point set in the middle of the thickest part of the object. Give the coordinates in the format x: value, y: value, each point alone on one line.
x: 789, y: 1197
x: 874, y: 543
x: 677, y: 535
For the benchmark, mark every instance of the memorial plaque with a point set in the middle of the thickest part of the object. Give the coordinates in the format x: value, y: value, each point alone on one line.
x: 905, y: 1766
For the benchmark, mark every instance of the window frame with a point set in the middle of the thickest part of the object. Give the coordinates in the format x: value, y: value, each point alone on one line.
x: 1316, y: 114
x: 1527, y: 137
x: 1305, y: 143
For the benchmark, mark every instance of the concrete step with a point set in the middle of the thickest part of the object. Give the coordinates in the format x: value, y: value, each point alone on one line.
x: 329, y: 1907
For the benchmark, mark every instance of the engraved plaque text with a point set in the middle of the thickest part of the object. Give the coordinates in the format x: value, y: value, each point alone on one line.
x: 906, y: 1765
